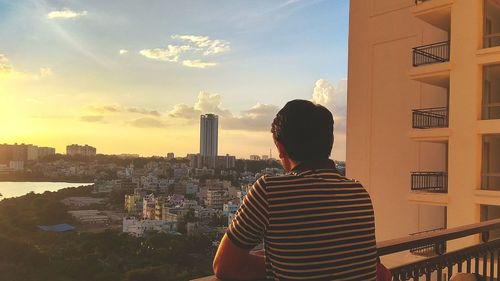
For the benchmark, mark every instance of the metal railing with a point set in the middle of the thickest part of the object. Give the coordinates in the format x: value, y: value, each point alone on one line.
x: 426, y: 118
x: 482, y: 258
x: 429, y: 181
x: 428, y: 250
x: 432, y: 53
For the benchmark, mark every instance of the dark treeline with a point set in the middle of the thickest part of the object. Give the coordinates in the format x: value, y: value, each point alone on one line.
x: 29, y: 254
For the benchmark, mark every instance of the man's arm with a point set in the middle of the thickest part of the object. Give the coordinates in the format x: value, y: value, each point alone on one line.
x: 235, y: 263
x: 234, y: 259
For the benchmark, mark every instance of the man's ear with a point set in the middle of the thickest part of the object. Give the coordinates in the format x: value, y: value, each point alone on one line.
x: 281, y: 149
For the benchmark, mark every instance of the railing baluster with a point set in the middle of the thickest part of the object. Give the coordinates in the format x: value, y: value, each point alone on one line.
x: 485, y: 264
x: 492, y: 265
x: 468, y: 265
x: 476, y: 264
x: 498, y: 264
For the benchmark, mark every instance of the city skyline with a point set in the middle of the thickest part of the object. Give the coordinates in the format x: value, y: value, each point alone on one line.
x: 137, y: 81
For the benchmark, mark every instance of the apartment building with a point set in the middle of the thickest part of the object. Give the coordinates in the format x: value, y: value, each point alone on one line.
x: 423, y: 128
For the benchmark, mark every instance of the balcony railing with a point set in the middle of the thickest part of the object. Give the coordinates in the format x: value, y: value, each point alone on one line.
x: 428, y: 250
x: 427, y: 118
x: 432, y: 53
x: 429, y: 181
x: 420, y: 1
x: 482, y: 258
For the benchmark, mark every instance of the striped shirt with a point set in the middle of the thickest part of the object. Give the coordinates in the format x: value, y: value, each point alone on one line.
x: 315, y: 225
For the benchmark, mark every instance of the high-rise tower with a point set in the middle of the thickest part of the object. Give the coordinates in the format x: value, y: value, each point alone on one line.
x: 209, y: 127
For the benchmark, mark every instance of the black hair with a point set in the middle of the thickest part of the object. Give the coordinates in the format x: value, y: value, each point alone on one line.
x: 305, y: 130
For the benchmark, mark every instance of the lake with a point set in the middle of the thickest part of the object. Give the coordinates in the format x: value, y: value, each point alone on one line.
x: 15, y: 189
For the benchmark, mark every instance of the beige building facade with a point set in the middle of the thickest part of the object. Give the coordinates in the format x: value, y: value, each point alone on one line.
x: 423, y: 118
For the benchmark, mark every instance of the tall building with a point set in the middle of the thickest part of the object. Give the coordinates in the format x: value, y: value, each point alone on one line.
x: 209, y: 127
x: 423, y: 128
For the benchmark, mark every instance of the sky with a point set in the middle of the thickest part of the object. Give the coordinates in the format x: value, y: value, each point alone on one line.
x: 134, y: 76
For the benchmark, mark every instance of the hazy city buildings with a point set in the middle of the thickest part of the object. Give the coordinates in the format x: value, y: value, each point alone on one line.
x: 423, y: 112
x: 83, y: 150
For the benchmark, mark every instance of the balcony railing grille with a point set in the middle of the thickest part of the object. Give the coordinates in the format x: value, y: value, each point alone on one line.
x: 420, y: 1
x: 432, y: 53
x: 429, y: 181
x: 428, y: 250
x: 482, y: 259
x: 426, y: 118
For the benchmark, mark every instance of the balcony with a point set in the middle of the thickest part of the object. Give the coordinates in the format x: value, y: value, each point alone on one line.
x: 434, y: 12
x: 427, y: 118
x: 436, y: 182
x: 432, y: 53
x: 428, y: 250
x: 481, y: 258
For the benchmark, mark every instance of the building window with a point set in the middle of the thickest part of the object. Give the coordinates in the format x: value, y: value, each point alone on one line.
x: 491, y: 92
x: 491, y: 28
x: 491, y: 212
x: 490, y: 174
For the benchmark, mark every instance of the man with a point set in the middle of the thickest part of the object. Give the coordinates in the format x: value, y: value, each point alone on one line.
x: 315, y: 224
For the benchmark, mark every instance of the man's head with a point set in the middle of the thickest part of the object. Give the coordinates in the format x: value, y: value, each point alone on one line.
x: 303, y: 131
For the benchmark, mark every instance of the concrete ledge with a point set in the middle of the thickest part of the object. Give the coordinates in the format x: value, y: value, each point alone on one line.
x: 487, y: 197
x: 430, y: 135
x: 429, y: 198
x: 488, y: 126
x: 437, y: 74
x: 488, y: 55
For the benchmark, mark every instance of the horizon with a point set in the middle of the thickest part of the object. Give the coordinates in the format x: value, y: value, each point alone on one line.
x: 135, y: 81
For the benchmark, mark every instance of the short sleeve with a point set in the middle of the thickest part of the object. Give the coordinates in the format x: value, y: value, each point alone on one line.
x: 251, y: 220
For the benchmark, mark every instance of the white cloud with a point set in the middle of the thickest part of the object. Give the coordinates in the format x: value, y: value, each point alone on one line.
x: 190, y: 51
x: 123, y: 52
x: 45, y: 72
x: 66, y: 14
x: 198, y: 63
x: 206, y: 103
x: 5, y: 66
x: 205, y: 44
x: 333, y: 97
x: 8, y: 71
x: 257, y: 118
x: 171, y: 53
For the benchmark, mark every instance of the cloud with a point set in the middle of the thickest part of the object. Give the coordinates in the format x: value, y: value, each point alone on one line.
x: 8, y: 71
x: 171, y: 53
x: 46, y: 72
x: 120, y: 109
x: 333, y: 97
x: 5, y: 66
x: 148, y: 122
x: 189, y: 52
x: 66, y: 14
x: 105, y: 108
x: 198, y: 63
x: 143, y: 111
x: 123, y: 52
x: 205, y: 44
x: 93, y: 119
x: 206, y: 103
x: 257, y: 118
